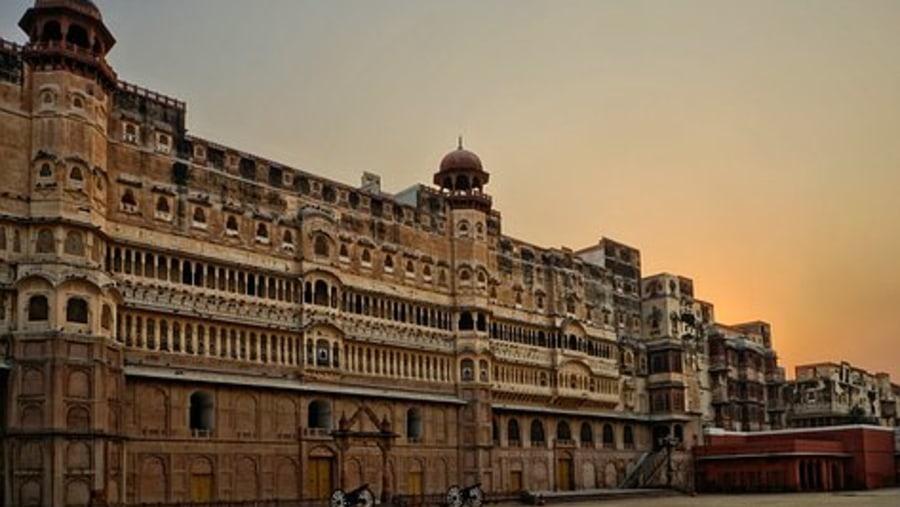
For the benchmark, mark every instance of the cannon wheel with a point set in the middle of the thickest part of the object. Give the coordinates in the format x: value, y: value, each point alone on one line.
x: 453, y: 497
x: 337, y: 498
x: 476, y: 497
x: 366, y: 498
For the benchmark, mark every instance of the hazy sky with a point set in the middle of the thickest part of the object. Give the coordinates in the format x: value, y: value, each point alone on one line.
x: 752, y: 146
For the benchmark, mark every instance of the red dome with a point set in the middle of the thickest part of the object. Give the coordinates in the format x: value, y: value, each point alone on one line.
x: 84, y: 6
x: 461, y: 159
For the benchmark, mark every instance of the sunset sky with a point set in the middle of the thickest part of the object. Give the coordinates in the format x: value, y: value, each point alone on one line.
x: 752, y: 146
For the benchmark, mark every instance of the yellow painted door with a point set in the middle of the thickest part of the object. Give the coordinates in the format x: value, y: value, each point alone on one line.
x: 564, y: 477
x: 201, y: 488
x: 515, y: 480
x: 414, y: 484
x: 318, y: 480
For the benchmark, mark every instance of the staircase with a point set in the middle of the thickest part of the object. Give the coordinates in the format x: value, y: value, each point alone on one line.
x: 646, y: 468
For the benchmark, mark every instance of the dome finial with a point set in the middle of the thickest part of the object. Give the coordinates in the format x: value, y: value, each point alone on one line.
x: 459, y: 142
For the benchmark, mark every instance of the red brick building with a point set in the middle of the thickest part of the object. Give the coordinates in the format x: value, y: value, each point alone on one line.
x: 820, y: 459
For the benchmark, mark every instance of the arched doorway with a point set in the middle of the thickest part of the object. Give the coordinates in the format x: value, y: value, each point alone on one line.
x: 415, y: 486
x: 201, y: 480
x: 320, y: 473
x: 565, y: 472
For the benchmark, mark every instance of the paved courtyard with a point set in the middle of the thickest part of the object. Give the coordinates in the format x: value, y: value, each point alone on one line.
x: 876, y: 498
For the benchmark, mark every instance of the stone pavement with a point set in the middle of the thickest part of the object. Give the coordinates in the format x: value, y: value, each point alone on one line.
x: 877, y: 498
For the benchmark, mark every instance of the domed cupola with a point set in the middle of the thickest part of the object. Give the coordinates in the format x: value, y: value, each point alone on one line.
x: 69, y: 35
x: 462, y: 178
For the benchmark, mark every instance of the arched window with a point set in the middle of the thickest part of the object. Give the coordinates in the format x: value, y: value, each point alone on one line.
x: 199, y: 216
x: 563, y: 432
x: 462, y: 229
x: 323, y: 353
x: 586, y: 435
x: 629, y: 437
x: 51, y: 32
x: 38, y: 309
x: 320, y: 293
x: 74, y: 244
x: 231, y: 225
x: 512, y: 432
x: 77, y: 310
x: 410, y: 268
x: 287, y: 239
x: 414, y: 424
x: 78, y: 35
x: 388, y: 263
x: 129, y: 203
x: 320, y: 246
x: 467, y: 370
x: 366, y: 257
x: 162, y: 206
x: 609, y: 439
x: 319, y: 415
x: 46, y: 171
x: 466, y: 323
x: 75, y: 175
x: 538, y: 439
x: 426, y: 273
x: 201, y: 413
x: 344, y: 253
x: 46, y: 243
x: 262, y: 234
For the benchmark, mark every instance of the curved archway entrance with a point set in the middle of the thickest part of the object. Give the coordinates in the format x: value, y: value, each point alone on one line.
x: 565, y: 473
x: 201, y: 480
x: 320, y: 473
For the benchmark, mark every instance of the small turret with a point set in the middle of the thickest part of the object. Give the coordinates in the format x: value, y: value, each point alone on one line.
x: 462, y: 177
x: 68, y: 35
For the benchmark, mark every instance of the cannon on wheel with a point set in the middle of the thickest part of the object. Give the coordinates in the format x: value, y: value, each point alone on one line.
x: 471, y: 496
x: 359, y: 497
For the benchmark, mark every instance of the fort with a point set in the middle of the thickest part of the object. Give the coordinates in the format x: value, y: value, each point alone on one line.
x: 181, y: 321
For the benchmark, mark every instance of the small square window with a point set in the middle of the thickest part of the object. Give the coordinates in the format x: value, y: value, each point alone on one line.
x: 163, y: 143
x: 130, y: 133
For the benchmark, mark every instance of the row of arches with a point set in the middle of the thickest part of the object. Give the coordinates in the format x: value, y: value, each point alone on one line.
x: 74, y: 242
x: 73, y: 34
x: 185, y: 336
x: 411, y: 268
x: 46, y: 174
x: 154, y: 333
x: 323, y: 293
x: 379, y: 361
x: 537, y: 436
x: 553, y: 339
x: 77, y: 310
x: 172, y: 269
x: 154, y: 481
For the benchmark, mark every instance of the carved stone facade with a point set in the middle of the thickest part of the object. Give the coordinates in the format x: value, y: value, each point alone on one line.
x: 827, y: 394
x: 182, y: 321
